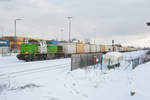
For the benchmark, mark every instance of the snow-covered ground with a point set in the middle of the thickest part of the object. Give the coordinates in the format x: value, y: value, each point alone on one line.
x: 53, y: 80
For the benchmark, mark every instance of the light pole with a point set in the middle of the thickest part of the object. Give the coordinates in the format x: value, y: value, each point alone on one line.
x: 113, y: 45
x: 94, y: 30
x: 61, y: 34
x: 69, y: 18
x: 2, y: 31
x: 15, y: 38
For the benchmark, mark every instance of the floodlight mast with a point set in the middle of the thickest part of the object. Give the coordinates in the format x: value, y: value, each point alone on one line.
x: 69, y: 18
x: 15, y: 35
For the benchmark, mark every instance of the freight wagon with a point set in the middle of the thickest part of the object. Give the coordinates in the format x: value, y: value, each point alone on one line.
x: 79, y: 48
x: 86, y: 48
x: 102, y: 48
x: 98, y: 49
x: 69, y: 48
x: 92, y: 48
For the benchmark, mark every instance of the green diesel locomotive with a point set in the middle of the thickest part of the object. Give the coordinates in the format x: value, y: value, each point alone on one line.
x: 40, y: 50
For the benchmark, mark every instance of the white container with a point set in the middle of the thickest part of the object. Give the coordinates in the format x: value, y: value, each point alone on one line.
x: 69, y: 48
x: 98, y: 49
x: 92, y: 48
x: 86, y: 48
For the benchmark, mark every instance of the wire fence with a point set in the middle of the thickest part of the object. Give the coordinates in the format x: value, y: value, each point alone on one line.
x: 134, y: 62
x: 84, y: 60
x: 5, y: 51
x: 137, y: 61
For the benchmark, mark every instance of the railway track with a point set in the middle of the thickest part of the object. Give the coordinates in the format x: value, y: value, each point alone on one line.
x: 14, y: 74
x: 28, y: 63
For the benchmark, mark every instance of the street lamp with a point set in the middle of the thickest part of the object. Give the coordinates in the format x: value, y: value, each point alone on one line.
x: 62, y: 34
x: 15, y: 38
x: 113, y: 45
x: 69, y: 18
x: 2, y: 31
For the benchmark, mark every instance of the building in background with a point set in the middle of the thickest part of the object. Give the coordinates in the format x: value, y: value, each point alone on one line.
x: 19, y: 40
x: 4, y: 46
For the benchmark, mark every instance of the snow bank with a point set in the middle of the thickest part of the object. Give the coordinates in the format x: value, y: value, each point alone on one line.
x: 141, y: 79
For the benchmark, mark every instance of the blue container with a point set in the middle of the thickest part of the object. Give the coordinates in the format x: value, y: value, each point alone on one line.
x: 4, y: 43
x: 52, y: 42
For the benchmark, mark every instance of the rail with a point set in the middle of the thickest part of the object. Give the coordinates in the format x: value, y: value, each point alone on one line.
x: 34, y: 70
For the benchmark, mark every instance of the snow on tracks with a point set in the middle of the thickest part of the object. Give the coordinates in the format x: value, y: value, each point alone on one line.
x: 20, y: 68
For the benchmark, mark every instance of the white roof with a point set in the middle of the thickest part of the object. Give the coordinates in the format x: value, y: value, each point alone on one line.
x: 113, y: 54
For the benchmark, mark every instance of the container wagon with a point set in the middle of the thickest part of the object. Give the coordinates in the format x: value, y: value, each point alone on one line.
x: 69, y: 48
x: 92, y: 48
x: 102, y: 48
x: 79, y: 48
x: 98, y: 49
x: 86, y: 48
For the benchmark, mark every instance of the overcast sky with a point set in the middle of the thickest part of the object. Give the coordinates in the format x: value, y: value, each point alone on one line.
x: 103, y: 20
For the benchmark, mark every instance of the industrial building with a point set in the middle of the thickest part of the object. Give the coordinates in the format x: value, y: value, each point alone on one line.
x: 14, y: 43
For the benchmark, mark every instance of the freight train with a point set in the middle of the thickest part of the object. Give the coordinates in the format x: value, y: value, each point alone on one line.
x: 43, y: 50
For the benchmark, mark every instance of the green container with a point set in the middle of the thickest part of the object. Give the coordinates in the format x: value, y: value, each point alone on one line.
x: 52, y: 48
x: 29, y: 48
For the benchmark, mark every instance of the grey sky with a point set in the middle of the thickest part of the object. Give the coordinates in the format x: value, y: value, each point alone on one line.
x: 122, y: 20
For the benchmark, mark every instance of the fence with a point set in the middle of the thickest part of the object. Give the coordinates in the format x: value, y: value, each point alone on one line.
x: 5, y: 52
x: 137, y: 61
x: 84, y: 60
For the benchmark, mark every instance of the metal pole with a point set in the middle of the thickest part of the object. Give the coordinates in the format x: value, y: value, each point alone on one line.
x: 61, y: 34
x: 94, y: 30
x: 69, y: 30
x: 71, y: 63
x: 2, y: 31
x: 69, y: 18
x: 101, y: 62
x: 113, y: 45
x: 15, y: 38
